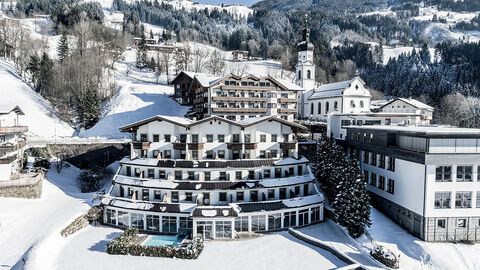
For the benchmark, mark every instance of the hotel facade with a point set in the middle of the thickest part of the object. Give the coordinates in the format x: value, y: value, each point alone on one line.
x: 214, y: 178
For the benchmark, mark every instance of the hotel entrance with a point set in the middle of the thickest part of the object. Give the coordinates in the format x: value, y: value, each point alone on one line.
x: 205, y: 229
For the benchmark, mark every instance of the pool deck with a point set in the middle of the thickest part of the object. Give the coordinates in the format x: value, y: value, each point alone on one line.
x: 139, y: 239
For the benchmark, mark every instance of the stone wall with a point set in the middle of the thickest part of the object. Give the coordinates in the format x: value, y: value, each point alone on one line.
x: 23, y: 188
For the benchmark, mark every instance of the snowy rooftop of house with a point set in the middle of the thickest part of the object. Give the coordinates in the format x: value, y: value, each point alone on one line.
x: 206, y: 80
x: 290, y: 85
x: 378, y: 103
x: 411, y: 101
x: 277, y: 205
x: 422, y: 130
x: 332, y: 89
x: 376, y: 114
x: 6, y: 109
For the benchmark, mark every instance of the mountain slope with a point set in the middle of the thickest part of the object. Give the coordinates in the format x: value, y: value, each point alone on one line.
x: 40, y: 117
x: 325, y: 5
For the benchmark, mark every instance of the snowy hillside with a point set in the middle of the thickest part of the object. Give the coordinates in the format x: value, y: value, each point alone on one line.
x: 39, y: 114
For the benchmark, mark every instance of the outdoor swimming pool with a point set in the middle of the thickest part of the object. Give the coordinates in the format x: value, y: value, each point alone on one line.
x: 164, y: 240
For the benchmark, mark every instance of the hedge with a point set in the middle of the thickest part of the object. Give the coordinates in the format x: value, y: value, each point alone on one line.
x: 122, y: 245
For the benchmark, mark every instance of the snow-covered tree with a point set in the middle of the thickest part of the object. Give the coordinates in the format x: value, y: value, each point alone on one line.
x: 62, y: 48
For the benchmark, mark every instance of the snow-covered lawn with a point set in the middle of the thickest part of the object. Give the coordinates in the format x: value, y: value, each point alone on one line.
x: 87, y: 250
x: 40, y: 117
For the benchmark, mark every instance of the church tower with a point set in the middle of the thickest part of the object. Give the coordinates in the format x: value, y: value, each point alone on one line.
x: 305, y: 68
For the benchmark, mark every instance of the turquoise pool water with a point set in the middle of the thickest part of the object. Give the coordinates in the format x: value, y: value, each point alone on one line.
x: 163, y: 240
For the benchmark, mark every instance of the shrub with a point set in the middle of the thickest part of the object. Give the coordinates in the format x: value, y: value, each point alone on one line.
x: 89, y: 180
x: 42, y: 163
x: 121, y: 245
x: 385, y: 256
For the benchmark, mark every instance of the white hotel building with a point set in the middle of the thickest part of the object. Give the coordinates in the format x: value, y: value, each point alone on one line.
x: 214, y: 177
x: 426, y: 178
x: 12, y: 142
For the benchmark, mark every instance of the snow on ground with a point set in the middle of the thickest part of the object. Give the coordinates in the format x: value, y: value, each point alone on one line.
x: 394, y: 52
x: 24, y: 223
x: 417, y: 254
x: 87, y: 248
x: 39, y: 114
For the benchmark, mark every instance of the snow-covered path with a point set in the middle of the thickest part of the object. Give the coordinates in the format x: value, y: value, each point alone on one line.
x: 26, y: 223
x: 39, y: 116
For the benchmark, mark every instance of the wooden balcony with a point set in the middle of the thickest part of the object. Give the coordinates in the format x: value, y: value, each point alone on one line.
x: 285, y: 110
x: 14, y: 147
x: 179, y: 146
x: 195, y: 146
x: 250, y: 146
x: 288, y: 145
x: 8, y: 160
x: 248, y: 88
x: 234, y: 146
x: 13, y: 130
x: 287, y: 100
x: 239, y: 99
x: 239, y: 110
x: 141, y: 145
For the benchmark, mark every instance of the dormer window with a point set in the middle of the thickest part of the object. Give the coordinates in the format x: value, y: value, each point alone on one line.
x: 352, y: 104
x: 361, y: 103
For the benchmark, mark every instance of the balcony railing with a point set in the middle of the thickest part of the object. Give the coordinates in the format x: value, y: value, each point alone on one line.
x: 286, y: 110
x: 287, y: 145
x: 248, y: 88
x: 245, y: 99
x: 195, y: 146
x: 287, y: 100
x: 141, y: 145
x: 12, y: 147
x: 8, y: 160
x: 179, y: 146
x: 250, y: 146
x: 241, y: 110
x: 13, y: 130
x: 234, y: 146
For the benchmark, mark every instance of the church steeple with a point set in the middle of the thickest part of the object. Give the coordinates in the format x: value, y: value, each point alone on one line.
x: 305, y: 68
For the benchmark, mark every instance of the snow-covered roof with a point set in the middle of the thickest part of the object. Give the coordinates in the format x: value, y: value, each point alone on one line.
x: 6, y: 109
x: 205, y: 80
x: 289, y: 160
x: 173, y: 119
x: 132, y: 181
x: 333, y: 89
x: 303, y: 201
x: 292, y: 180
x: 415, y: 103
x: 290, y: 85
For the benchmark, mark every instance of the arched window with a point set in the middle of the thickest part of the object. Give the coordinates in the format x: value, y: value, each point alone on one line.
x: 335, y: 105
x: 327, y: 105
x: 309, y: 74
x: 299, y: 74
x: 319, y: 108
x: 311, y: 109
x: 361, y: 104
x: 352, y: 103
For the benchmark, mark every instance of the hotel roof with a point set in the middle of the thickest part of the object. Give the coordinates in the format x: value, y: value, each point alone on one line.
x: 427, y: 130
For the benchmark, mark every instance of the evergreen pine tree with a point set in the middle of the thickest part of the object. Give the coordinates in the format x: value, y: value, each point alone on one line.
x: 34, y: 68
x: 151, y: 34
x: 142, y: 52
x: 45, y: 74
x: 62, y: 48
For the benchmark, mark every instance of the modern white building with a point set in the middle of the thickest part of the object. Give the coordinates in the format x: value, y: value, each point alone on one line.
x: 12, y: 142
x: 214, y: 177
x: 409, y: 106
x: 426, y: 178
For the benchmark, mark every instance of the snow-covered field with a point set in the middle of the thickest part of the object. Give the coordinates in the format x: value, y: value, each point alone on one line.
x: 39, y: 116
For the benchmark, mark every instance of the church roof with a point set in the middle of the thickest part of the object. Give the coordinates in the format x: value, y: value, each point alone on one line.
x: 333, y: 89
x: 305, y: 46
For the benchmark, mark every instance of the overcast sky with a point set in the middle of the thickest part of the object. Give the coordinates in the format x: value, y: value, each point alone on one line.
x: 217, y: 2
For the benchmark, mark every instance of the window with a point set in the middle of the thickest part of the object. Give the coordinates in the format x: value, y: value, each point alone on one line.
x: 191, y: 175
x: 319, y: 108
x: 123, y: 218
x: 391, y: 186
x: 206, y: 198
x: 274, y: 137
x: 221, y: 138
x: 161, y: 174
x: 309, y: 74
x: 258, y: 223
x: 251, y: 175
x: 143, y: 137
x: 271, y: 194
x: 381, y: 182
x: 441, y: 223
x: 253, y: 195
x: 153, y: 223
x: 240, y: 196
x: 463, y: 199
x: 209, y: 138
x: 111, y: 217
x: 391, y: 164
x: 382, y: 162
x: 311, y: 108
x: 315, y: 214
x: 289, y: 219
x: 247, y: 138
x: 168, y: 154
x: 221, y: 154
x: 145, y: 194
x: 137, y: 172
x: 136, y: 220
x: 352, y: 103
x: 238, y: 175
x: 266, y: 173
x: 157, y: 195
x: 464, y: 173
x: 194, y: 154
x: 263, y: 154
x: 461, y: 223
x: 151, y: 173
x: 222, y: 196
x: 128, y: 171
x: 373, y: 159
x: 305, y: 190
x: 186, y: 223
x: 283, y: 193
x: 263, y: 138
x: 174, y: 196
x: 207, y: 176
x: 156, y: 153
x: 297, y: 190
x: 188, y: 197
x: 285, y: 137
x: 169, y: 224
x: 241, y: 224
x: 183, y: 138
x: 210, y: 154
x: 327, y: 105
x: 365, y: 156
x: 273, y: 153
x: 236, y: 138
x: 478, y: 199
x: 223, y: 229
x: 373, y: 179
x: 299, y: 74
x: 156, y: 138
x: 361, y: 104
x: 442, y: 200
x: 167, y: 137
x: 223, y: 176
x: 178, y: 175
x: 443, y: 174
x: 299, y: 170
x: 275, y: 221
